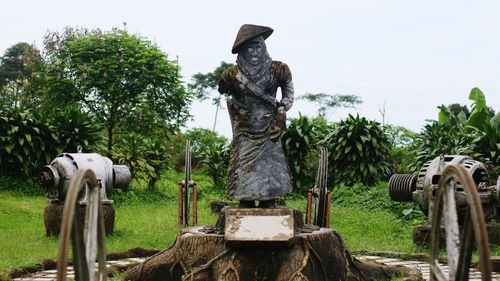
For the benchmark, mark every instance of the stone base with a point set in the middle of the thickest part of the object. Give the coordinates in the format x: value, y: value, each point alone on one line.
x: 422, y: 235
x: 201, y: 253
x: 52, y: 217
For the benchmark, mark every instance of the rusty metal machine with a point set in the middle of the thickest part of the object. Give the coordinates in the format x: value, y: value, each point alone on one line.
x: 456, y: 194
x: 421, y: 187
x: 55, y: 178
x: 318, y: 198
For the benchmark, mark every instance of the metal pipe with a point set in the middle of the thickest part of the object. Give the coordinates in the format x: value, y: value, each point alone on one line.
x: 328, y: 205
x: 180, y: 204
x: 195, y: 205
x: 309, y: 203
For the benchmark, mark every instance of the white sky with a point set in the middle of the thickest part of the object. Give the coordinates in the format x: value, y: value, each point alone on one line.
x: 412, y: 55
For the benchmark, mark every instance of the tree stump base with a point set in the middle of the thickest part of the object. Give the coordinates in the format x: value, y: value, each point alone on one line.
x: 422, y: 235
x: 52, y: 217
x: 201, y: 253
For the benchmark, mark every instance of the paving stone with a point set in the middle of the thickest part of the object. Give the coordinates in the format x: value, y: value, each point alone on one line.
x: 385, y: 260
x: 137, y: 260
x: 396, y: 263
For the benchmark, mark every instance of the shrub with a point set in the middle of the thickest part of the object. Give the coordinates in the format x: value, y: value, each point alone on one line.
x: 477, y: 136
x: 299, y: 142
x: 203, y: 140
x: 76, y: 128
x: 296, y: 145
x: 145, y: 157
x: 359, y: 152
x: 403, y: 146
x: 216, y: 160
x: 27, y: 141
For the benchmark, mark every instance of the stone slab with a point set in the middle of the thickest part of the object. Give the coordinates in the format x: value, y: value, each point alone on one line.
x: 259, y: 225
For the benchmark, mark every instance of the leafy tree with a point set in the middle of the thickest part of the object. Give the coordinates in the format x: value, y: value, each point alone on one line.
x: 203, y: 84
x: 203, y: 140
x: 18, y: 66
x: 457, y: 108
x: 117, y: 76
x: 328, y: 102
x: 403, y: 145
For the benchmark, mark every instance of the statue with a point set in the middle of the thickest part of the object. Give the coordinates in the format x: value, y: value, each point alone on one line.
x: 257, y: 167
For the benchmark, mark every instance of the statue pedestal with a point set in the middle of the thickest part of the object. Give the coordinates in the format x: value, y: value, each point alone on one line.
x: 313, y: 253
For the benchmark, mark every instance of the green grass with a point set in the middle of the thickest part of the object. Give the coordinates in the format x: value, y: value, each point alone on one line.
x: 149, y: 220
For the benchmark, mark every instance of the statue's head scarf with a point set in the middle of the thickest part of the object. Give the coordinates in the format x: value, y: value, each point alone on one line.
x: 255, y: 72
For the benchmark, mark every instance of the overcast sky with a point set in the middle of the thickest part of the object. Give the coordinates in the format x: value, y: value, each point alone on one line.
x: 410, y: 55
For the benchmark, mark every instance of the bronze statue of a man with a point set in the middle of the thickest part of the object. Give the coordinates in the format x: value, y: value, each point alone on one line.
x: 257, y: 167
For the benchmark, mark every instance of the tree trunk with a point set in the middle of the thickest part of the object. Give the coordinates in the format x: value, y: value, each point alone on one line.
x: 317, y: 254
x: 110, y: 139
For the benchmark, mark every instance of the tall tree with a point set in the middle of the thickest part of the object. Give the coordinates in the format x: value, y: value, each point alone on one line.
x: 122, y: 78
x: 204, y: 84
x: 18, y: 68
x: 328, y: 102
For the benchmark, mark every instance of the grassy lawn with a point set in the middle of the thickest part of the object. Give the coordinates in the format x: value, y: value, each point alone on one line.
x: 154, y: 225
x: 149, y: 220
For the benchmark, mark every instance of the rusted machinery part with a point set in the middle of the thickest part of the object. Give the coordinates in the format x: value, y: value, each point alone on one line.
x: 401, y: 187
x: 320, y: 191
x: 87, y: 238
x: 458, y: 246
x: 187, y: 182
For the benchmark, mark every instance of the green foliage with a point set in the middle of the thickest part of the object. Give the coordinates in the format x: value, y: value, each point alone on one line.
x: 403, y: 145
x: 481, y: 119
x: 328, y: 102
x: 116, y: 76
x: 145, y: 157
x: 456, y: 109
x: 203, y: 140
x: 444, y: 138
x: 18, y: 82
x: 375, y: 198
x: 27, y: 141
x: 204, y: 83
x: 359, y: 152
x: 299, y: 143
x: 216, y: 160
x: 75, y: 128
x: 477, y: 136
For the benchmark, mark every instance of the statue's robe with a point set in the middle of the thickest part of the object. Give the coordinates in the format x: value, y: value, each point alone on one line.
x: 257, y: 167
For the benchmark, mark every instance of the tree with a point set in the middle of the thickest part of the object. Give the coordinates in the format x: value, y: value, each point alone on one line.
x: 328, y: 102
x: 457, y: 108
x: 118, y: 76
x: 205, y: 83
x: 18, y: 66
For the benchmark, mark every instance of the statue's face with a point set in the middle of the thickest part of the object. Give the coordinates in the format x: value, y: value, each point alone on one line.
x: 253, y: 52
